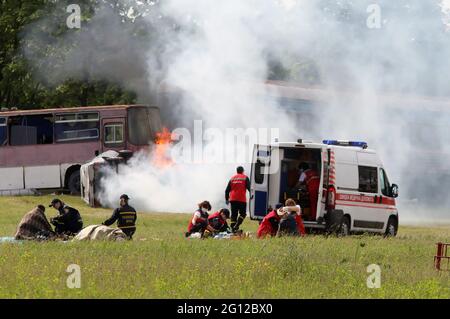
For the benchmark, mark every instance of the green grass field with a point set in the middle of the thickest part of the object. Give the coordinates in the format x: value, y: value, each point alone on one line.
x: 161, y: 263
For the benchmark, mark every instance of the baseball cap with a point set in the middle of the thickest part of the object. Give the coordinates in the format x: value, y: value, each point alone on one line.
x: 54, y: 201
x: 124, y: 196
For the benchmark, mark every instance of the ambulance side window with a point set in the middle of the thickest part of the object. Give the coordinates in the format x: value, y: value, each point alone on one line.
x: 384, y: 183
x: 259, y: 176
x: 368, y: 179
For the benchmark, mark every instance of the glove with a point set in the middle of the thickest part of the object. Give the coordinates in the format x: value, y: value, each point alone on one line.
x: 251, y: 197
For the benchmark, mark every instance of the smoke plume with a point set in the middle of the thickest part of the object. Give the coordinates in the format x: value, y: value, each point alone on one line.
x: 383, y: 69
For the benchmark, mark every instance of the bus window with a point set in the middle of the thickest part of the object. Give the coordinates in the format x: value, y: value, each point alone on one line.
x: 143, y: 124
x: 139, y: 127
x: 114, y: 134
x: 368, y: 179
x: 3, y: 131
x: 77, y: 126
x: 31, y: 129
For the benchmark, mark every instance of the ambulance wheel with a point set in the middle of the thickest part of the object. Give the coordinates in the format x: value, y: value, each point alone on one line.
x: 391, y: 228
x: 345, y: 226
x: 74, y: 183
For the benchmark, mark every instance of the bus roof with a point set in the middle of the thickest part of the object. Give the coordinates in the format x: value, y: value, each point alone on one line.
x: 70, y: 109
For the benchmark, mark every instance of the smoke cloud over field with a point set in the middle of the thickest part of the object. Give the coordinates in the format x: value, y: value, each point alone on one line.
x: 366, y: 55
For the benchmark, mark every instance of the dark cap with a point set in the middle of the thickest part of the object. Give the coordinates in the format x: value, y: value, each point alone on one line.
x: 54, y: 201
x: 124, y: 196
x: 279, y: 205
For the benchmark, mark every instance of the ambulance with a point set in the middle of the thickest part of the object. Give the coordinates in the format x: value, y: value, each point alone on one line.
x: 354, y: 194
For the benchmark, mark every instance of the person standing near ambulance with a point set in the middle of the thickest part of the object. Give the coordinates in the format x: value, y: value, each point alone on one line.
x: 310, y: 178
x: 236, y: 196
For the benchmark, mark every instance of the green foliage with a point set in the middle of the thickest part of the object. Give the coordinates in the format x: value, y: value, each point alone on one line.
x: 161, y: 263
x: 19, y: 87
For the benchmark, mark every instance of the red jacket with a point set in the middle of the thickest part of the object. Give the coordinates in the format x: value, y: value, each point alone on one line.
x: 312, y: 180
x: 237, y: 188
x: 202, y: 219
x: 300, y: 225
x: 269, y: 225
x: 216, y: 221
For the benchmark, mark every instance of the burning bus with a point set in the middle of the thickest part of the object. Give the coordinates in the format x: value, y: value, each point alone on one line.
x: 94, y: 171
x: 44, y: 149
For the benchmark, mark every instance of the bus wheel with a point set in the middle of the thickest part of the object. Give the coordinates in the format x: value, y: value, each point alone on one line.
x: 345, y: 226
x: 74, y: 183
x: 391, y: 228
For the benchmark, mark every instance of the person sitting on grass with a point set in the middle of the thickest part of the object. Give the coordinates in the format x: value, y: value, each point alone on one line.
x: 288, y: 225
x: 199, y: 222
x: 34, y: 226
x: 295, y: 210
x: 218, y: 220
x: 269, y: 225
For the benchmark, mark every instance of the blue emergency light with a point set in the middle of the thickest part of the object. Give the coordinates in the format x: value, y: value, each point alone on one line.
x: 363, y: 145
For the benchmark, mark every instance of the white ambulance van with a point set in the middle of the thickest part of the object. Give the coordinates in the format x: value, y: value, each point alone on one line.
x: 354, y: 194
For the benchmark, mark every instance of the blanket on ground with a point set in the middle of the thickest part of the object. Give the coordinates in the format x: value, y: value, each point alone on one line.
x: 100, y: 232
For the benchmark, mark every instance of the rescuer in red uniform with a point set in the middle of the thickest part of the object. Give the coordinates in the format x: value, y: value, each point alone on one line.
x: 218, y: 220
x: 199, y: 222
x: 310, y: 179
x: 236, y: 195
x: 269, y: 225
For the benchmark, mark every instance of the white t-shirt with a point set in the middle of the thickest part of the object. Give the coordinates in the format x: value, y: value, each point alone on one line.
x: 302, y: 177
x: 196, y: 215
x: 298, y: 213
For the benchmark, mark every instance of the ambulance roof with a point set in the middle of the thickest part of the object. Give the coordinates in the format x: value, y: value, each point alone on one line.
x: 307, y: 144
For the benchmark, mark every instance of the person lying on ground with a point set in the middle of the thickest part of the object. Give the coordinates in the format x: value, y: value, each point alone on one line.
x: 269, y: 225
x: 296, y: 211
x: 125, y: 216
x: 34, y: 226
x: 68, y: 221
x: 199, y: 222
x: 218, y: 220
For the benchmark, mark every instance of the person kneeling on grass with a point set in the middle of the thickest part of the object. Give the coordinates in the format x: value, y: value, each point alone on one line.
x: 68, y: 221
x: 218, y: 220
x: 199, y: 222
x: 34, y: 226
x: 269, y: 225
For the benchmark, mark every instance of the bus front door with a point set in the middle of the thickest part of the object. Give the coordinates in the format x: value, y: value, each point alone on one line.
x: 113, y: 134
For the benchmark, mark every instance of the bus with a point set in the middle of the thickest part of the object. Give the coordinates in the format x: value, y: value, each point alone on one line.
x: 44, y: 149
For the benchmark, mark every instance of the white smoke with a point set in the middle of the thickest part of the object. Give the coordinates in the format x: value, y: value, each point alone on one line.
x: 220, y: 46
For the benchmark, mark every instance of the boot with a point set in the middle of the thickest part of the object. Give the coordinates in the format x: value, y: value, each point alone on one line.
x: 239, y: 223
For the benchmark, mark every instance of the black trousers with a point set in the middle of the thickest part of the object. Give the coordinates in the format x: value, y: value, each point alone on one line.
x: 238, y: 214
x: 129, y: 232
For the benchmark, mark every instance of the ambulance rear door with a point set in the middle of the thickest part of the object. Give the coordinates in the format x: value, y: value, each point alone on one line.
x: 259, y: 180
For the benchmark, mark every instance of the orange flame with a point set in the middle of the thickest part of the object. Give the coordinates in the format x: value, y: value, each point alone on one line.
x: 163, y: 142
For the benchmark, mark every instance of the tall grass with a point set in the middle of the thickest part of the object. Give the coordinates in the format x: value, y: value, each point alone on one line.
x: 161, y: 263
